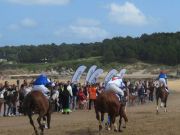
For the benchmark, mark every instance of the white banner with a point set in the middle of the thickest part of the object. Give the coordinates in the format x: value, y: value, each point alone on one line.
x: 122, y: 73
x: 95, y: 75
x: 90, y: 72
x: 78, y: 73
x: 108, y: 77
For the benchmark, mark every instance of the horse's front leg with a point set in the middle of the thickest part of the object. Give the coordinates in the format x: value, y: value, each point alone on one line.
x: 157, y: 108
x: 165, y: 106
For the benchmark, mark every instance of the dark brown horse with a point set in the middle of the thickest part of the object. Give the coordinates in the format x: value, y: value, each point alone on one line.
x: 36, y: 102
x: 108, y: 102
x: 162, y: 94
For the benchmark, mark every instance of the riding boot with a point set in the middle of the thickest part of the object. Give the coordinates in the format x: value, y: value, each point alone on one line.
x: 119, y: 96
x: 123, y: 100
x: 167, y: 89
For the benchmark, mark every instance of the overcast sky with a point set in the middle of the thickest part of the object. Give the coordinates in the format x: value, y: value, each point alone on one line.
x: 75, y: 21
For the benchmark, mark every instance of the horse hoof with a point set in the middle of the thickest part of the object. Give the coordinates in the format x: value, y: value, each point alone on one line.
x: 120, y: 130
x: 36, y: 133
x: 115, y: 130
x: 124, y: 126
x: 100, y: 127
x: 109, y: 129
x: 157, y: 112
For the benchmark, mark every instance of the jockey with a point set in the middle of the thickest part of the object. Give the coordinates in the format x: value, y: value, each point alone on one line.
x: 163, y: 79
x: 41, y: 84
x: 116, y: 84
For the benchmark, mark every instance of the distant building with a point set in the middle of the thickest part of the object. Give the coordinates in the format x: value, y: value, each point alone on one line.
x: 3, y: 60
x: 178, y: 73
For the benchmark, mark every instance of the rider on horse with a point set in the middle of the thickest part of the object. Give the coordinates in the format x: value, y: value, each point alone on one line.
x: 41, y: 84
x: 163, y: 80
x: 117, y: 85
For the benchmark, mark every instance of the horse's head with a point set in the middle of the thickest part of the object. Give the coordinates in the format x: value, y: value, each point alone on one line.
x: 53, y: 100
x: 55, y: 96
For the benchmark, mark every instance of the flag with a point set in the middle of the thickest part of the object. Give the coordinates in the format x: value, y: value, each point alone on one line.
x: 122, y: 73
x: 95, y: 75
x: 90, y: 72
x: 77, y: 75
x: 110, y: 74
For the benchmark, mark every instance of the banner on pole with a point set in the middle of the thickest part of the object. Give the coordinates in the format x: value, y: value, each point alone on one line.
x: 90, y: 72
x: 95, y: 75
x: 77, y: 75
x: 110, y: 74
x: 122, y: 73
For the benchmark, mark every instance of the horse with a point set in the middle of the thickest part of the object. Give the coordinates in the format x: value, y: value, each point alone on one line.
x: 108, y: 102
x: 163, y: 95
x: 36, y: 102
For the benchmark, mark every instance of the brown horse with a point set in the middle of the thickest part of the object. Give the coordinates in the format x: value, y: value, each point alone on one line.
x: 36, y: 102
x: 163, y: 95
x: 108, y: 102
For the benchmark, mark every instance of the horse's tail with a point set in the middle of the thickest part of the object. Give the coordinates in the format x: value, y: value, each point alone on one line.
x: 27, y: 104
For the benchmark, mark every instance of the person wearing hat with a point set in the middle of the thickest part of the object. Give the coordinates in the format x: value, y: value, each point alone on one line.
x: 42, y: 83
x: 163, y: 79
x: 116, y: 84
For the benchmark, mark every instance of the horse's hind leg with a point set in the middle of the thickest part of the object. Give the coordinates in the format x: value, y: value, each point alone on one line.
x: 113, y: 119
x: 125, y: 118
x: 98, y: 118
x: 165, y: 109
x: 48, y: 119
x: 100, y: 123
x: 40, y: 125
x: 32, y: 123
x: 120, y: 122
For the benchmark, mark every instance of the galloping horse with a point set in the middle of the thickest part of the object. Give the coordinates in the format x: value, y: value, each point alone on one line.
x: 108, y: 102
x: 36, y: 102
x: 163, y: 95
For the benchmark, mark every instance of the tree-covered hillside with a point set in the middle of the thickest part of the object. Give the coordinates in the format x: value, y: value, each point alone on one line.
x: 161, y: 48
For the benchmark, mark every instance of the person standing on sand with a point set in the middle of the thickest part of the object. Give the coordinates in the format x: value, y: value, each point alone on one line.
x: 74, y: 98
x: 92, y: 95
x: 65, y: 100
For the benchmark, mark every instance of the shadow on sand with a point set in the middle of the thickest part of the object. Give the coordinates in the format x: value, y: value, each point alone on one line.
x: 86, y: 131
